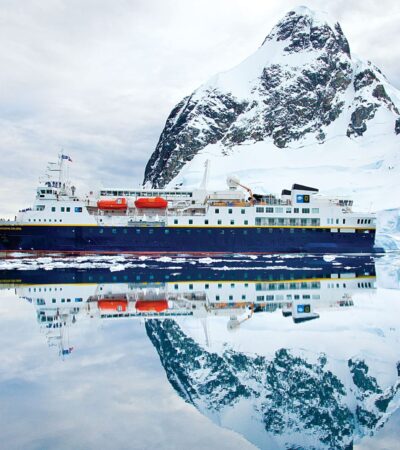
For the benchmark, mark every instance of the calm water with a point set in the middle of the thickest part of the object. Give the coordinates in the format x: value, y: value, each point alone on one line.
x: 228, y: 353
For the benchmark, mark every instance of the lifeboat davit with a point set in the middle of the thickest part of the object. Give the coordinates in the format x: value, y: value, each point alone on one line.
x: 113, y: 304
x: 151, y: 305
x: 151, y: 202
x: 118, y: 203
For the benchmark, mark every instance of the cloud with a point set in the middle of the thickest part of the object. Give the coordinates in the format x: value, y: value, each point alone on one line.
x: 99, y: 78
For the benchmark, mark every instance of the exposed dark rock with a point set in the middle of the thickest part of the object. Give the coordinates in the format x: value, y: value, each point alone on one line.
x: 364, y: 78
x: 397, y: 126
x: 366, y: 384
x: 181, y: 140
x: 359, y: 117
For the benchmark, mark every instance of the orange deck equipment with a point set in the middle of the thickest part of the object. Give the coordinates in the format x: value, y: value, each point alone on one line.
x: 151, y: 202
x: 151, y: 305
x: 114, y: 304
x: 118, y: 203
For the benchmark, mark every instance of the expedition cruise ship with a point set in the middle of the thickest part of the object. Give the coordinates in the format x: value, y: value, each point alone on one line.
x: 234, y: 220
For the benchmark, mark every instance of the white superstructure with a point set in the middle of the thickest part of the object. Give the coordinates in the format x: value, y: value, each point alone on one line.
x: 56, y: 203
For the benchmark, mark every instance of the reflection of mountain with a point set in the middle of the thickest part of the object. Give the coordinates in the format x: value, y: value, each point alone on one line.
x: 283, y: 400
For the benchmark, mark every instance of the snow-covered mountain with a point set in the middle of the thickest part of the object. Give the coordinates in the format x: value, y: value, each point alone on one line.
x: 324, y: 384
x: 302, y: 108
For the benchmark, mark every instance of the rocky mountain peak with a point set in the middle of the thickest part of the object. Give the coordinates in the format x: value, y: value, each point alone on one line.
x: 301, y: 85
x: 305, y: 29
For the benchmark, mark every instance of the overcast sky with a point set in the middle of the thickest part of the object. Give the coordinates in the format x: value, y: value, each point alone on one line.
x: 98, y: 78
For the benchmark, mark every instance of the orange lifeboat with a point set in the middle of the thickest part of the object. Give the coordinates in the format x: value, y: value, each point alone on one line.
x: 151, y: 305
x: 115, y: 304
x: 118, y: 203
x: 151, y: 202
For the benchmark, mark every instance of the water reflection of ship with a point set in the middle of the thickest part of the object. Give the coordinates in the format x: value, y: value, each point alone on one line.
x: 237, y: 294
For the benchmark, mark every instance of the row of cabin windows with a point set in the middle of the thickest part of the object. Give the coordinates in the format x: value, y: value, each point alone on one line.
x: 77, y: 300
x: 44, y: 220
x: 230, y: 298
x: 267, y: 209
x: 230, y: 211
x: 145, y: 194
x: 332, y: 285
x: 77, y: 209
x: 261, y: 298
x: 189, y: 230
x: 284, y: 286
x: 262, y: 221
x: 364, y: 285
x: 44, y: 289
x: 332, y: 221
x: 363, y: 221
x: 207, y: 286
x: 206, y: 222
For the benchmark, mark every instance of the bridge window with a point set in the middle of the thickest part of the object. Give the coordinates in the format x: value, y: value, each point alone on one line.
x: 305, y: 210
x: 259, y: 209
x: 315, y: 210
x: 269, y: 210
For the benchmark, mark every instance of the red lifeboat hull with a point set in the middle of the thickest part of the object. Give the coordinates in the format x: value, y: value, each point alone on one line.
x: 151, y: 202
x: 117, y: 204
x: 151, y: 305
x: 112, y: 305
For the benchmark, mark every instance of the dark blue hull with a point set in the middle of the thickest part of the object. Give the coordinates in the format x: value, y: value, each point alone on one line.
x: 183, y: 240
